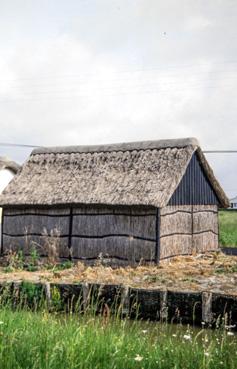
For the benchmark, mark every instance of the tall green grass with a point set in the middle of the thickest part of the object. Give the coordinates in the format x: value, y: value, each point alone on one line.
x: 48, y: 341
x: 228, y: 228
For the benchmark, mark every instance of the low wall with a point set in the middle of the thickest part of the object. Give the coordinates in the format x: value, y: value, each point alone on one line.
x: 191, y: 307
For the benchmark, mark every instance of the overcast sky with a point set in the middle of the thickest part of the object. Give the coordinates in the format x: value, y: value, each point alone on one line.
x: 98, y: 71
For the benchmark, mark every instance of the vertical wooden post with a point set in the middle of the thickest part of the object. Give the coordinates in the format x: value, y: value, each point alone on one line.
x: 2, y: 220
x: 70, y: 232
x: 157, y: 250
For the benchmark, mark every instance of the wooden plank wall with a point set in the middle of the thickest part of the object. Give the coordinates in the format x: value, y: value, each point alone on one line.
x: 187, y: 229
x: 194, y: 187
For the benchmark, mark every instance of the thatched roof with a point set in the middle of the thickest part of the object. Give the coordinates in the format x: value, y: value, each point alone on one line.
x: 6, y: 163
x: 137, y: 173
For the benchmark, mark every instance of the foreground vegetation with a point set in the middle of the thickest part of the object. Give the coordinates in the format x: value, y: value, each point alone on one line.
x: 228, y: 228
x: 41, y: 340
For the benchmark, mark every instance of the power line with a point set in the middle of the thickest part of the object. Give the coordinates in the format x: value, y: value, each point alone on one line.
x: 220, y: 151
x: 85, y: 80
x: 134, y: 70
x: 6, y: 144
x: 17, y: 145
x: 106, y: 85
x: 99, y: 95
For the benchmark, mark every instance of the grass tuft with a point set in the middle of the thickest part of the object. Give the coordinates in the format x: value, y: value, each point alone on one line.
x: 43, y: 340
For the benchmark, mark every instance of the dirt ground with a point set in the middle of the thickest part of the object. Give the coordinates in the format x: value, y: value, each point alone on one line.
x: 214, y: 272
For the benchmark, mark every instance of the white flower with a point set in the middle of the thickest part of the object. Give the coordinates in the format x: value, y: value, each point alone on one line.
x: 138, y: 358
x: 230, y: 326
x: 174, y: 335
x: 1, y: 322
x: 230, y: 334
x: 144, y: 331
x: 206, y: 353
x: 187, y: 337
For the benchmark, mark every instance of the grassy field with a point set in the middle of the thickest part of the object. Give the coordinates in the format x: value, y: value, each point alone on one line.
x: 43, y: 341
x: 228, y: 228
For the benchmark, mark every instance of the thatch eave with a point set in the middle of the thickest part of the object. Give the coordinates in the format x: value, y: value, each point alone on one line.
x: 134, y: 174
x: 11, y: 165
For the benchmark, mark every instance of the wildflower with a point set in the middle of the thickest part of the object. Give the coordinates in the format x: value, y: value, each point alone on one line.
x: 144, y: 331
x: 230, y: 326
x: 138, y: 358
x: 174, y: 335
x: 187, y: 337
x: 230, y: 334
x: 1, y: 322
x: 206, y: 353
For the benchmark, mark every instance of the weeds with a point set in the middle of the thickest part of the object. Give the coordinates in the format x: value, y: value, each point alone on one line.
x: 51, y: 245
x: 98, y: 338
x: 62, y: 266
x: 14, y: 260
x: 226, y: 269
x: 42, y: 340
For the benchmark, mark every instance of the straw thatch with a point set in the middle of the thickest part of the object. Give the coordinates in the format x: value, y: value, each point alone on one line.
x: 6, y: 163
x: 142, y: 173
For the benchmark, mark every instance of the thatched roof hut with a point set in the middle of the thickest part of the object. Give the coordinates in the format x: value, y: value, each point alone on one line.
x: 127, y: 201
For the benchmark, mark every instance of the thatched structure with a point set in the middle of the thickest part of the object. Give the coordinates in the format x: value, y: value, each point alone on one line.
x: 125, y: 202
x: 6, y: 163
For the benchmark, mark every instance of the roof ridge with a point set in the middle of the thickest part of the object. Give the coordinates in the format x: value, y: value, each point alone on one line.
x: 126, y: 146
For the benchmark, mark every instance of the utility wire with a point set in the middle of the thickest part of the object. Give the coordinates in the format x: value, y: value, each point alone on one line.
x: 99, y: 95
x: 16, y: 145
x: 130, y: 70
x: 25, y: 91
x: 220, y: 151
x: 6, y: 144
x: 84, y: 80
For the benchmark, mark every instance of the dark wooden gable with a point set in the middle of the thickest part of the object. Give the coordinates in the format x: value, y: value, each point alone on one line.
x: 194, y: 188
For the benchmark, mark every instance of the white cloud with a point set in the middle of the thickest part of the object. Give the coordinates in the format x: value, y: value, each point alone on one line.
x: 198, y: 23
x: 109, y: 71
